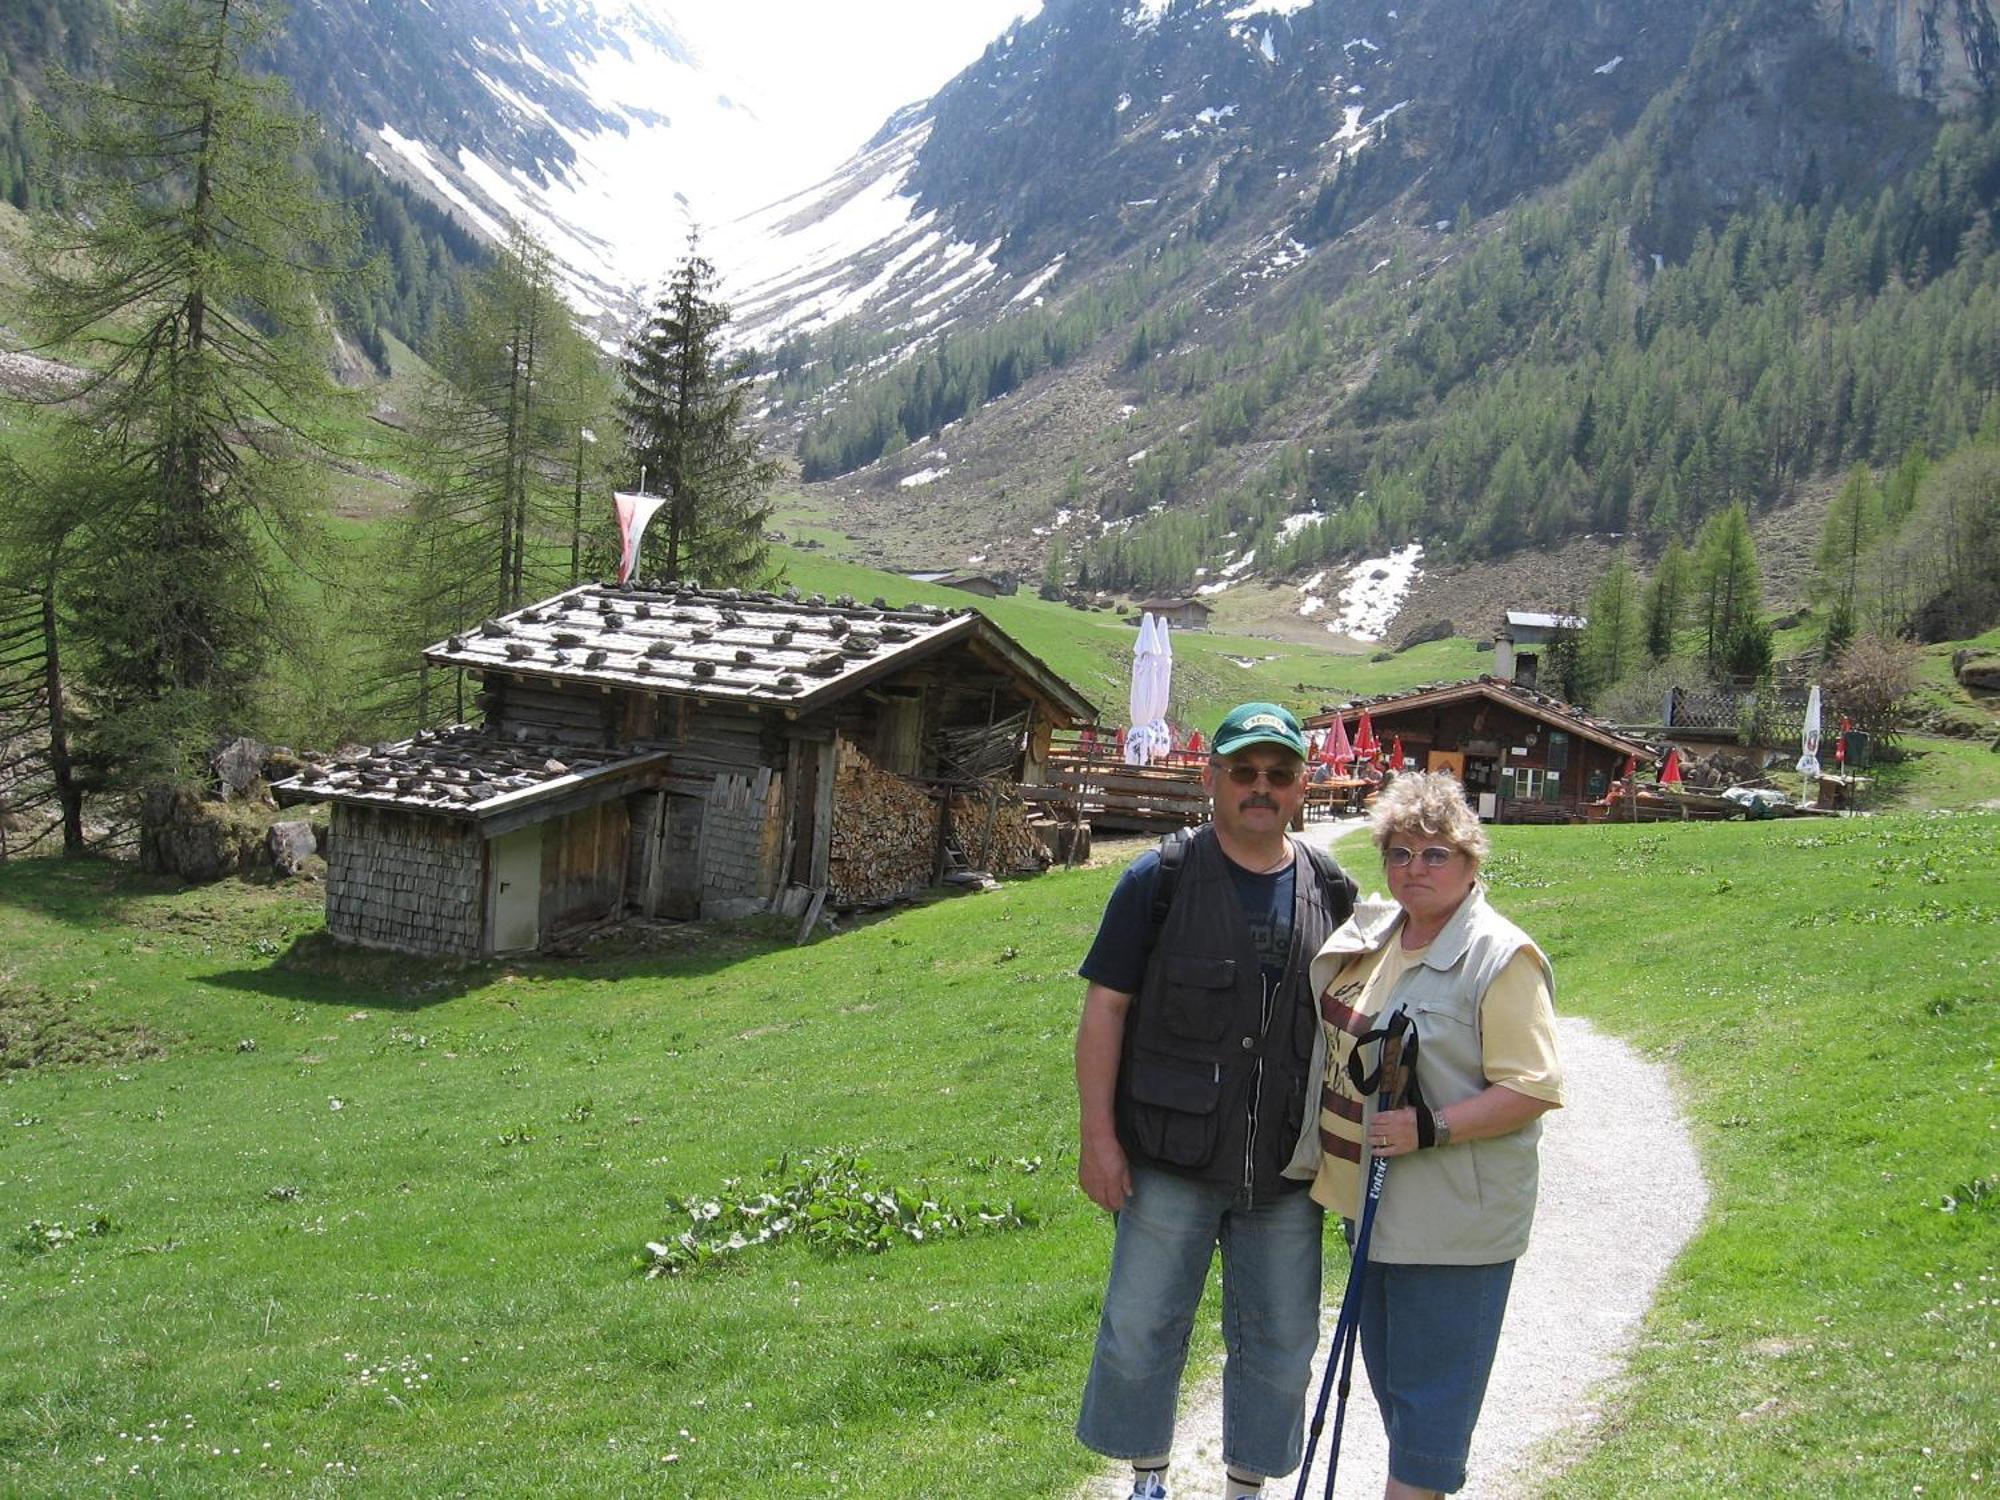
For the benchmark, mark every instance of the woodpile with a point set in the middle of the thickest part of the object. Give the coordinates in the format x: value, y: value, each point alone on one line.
x: 1009, y: 843
x: 884, y: 833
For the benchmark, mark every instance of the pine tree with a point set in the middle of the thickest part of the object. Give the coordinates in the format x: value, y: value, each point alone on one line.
x: 683, y: 408
x: 191, y: 277
x: 1727, y: 590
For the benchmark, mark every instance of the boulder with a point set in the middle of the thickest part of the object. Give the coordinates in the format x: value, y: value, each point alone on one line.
x: 238, y: 767
x: 1437, y: 630
x: 197, y: 838
x: 290, y: 845
x: 1978, y: 671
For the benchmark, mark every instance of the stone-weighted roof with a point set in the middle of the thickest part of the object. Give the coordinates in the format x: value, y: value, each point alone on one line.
x: 466, y: 771
x: 725, y: 644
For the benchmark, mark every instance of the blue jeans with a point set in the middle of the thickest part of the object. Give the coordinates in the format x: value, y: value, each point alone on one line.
x: 1168, y: 1232
x: 1428, y: 1335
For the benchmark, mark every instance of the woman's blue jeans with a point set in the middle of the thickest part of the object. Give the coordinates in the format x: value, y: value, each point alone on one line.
x: 1168, y: 1233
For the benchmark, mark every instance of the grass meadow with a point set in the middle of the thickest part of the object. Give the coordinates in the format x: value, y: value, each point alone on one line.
x: 277, y: 1217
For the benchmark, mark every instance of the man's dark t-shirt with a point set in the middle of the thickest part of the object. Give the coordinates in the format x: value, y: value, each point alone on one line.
x: 1124, y: 946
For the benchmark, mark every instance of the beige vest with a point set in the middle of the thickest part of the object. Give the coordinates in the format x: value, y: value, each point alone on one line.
x: 1466, y: 1204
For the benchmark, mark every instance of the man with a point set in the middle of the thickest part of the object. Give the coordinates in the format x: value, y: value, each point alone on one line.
x: 1198, y: 1064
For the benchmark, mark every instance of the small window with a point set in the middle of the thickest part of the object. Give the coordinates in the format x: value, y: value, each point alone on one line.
x: 1558, y: 751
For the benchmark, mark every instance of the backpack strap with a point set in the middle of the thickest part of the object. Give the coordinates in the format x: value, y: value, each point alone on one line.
x: 1173, y: 856
x: 1334, y: 882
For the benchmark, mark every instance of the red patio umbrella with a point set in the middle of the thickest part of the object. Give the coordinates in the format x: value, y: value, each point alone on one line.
x: 1366, y: 746
x: 1670, y: 773
x: 1631, y: 768
x: 1194, y: 743
x: 1396, y: 754
x: 1336, y: 751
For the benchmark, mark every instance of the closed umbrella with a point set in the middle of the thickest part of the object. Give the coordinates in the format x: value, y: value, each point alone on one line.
x: 1366, y: 746
x: 1152, y: 677
x: 1809, y: 736
x: 1670, y: 773
x: 1396, y: 754
x: 1338, y: 753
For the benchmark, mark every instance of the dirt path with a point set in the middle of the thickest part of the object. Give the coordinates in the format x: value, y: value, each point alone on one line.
x: 1622, y: 1192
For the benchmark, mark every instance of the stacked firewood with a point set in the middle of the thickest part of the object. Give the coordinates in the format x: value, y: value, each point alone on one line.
x: 884, y: 833
x: 1013, y: 845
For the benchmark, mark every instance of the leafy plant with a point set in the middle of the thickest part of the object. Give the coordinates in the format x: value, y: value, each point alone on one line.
x: 830, y: 1203
x: 41, y: 1236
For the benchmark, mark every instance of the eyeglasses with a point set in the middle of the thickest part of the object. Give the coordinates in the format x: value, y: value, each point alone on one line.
x: 1435, y: 857
x: 1278, y: 776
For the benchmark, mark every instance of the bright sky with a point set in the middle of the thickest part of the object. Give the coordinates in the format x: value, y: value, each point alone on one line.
x: 825, y: 74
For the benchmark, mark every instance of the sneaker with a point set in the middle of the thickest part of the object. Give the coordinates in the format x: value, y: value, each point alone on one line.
x: 1148, y: 1488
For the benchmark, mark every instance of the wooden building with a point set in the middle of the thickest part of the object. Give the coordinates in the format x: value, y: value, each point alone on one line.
x: 675, y: 752
x: 1182, y: 614
x: 1524, y: 756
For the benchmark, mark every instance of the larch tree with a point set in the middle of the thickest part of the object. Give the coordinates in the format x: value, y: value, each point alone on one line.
x: 1852, y: 525
x: 190, y: 275
x: 1613, y: 636
x: 1728, y: 594
x: 1667, y: 600
x: 682, y: 401
x: 501, y: 453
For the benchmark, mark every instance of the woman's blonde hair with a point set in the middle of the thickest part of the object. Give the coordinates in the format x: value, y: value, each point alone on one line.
x: 1432, y: 803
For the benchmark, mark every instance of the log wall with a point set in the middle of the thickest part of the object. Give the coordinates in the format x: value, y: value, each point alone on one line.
x: 405, y: 881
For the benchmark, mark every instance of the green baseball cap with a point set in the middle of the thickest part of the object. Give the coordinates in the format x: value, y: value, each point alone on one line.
x: 1250, y: 724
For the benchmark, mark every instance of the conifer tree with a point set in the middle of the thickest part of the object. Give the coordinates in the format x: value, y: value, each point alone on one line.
x: 1611, y: 638
x: 683, y: 404
x: 1667, y: 600
x: 504, y: 474
x: 1727, y: 590
x: 1853, y: 522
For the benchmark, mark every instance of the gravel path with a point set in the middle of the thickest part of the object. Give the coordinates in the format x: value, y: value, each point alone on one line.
x: 1622, y: 1192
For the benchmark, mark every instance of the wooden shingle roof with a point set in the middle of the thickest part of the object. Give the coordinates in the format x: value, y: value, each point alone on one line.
x: 731, y: 645
x: 1542, y: 706
x: 468, y: 771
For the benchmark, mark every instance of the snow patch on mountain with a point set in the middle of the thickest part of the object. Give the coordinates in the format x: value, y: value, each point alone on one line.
x: 1374, y: 592
x: 1268, y: 8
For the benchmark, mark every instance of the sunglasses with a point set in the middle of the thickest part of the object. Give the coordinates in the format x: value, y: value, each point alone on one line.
x: 1435, y: 857
x: 1278, y: 776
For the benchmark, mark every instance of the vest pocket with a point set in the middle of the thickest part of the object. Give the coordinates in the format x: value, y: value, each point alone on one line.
x: 1197, y: 996
x: 1173, y: 1112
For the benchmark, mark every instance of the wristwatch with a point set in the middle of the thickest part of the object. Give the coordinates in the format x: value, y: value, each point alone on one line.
x: 1441, y: 1132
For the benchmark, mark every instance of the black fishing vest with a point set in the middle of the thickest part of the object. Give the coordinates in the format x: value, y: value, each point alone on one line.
x: 1214, y: 1075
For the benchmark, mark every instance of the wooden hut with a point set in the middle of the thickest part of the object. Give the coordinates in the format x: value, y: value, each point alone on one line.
x: 1523, y: 756
x: 676, y: 752
x: 1182, y: 614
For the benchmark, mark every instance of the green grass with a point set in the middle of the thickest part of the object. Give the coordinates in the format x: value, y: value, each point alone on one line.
x: 275, y: 1268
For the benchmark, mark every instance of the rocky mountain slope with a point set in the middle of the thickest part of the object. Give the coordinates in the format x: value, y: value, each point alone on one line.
x: 1008, y: 325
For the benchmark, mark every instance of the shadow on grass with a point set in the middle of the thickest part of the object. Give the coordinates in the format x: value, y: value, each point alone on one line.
x: 86, y: 892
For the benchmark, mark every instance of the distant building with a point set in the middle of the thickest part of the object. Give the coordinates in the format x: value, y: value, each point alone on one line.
x: 985, y: 585
x: 1524, y: 640
x: 1523, y: 756
x: 1182, y: 614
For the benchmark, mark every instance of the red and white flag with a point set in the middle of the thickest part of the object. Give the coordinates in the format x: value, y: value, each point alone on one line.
x: 634, y: 511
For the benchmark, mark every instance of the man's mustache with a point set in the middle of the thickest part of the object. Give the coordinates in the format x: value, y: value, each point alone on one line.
x: 1254, y: 801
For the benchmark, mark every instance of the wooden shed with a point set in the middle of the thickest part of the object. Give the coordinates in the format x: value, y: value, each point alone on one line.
x: 1182, y: 614
x: 674, y: 752
x: 1523, y: 756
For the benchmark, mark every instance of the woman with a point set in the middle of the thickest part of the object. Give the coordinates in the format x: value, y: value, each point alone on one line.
x: 1454, y: 1215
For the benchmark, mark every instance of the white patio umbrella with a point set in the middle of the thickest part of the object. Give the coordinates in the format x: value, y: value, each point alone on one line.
x: 1152, y: 669
x: 1809, y: 736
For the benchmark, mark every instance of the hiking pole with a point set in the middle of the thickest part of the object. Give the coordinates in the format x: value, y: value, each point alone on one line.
x: 1391, y: 1075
